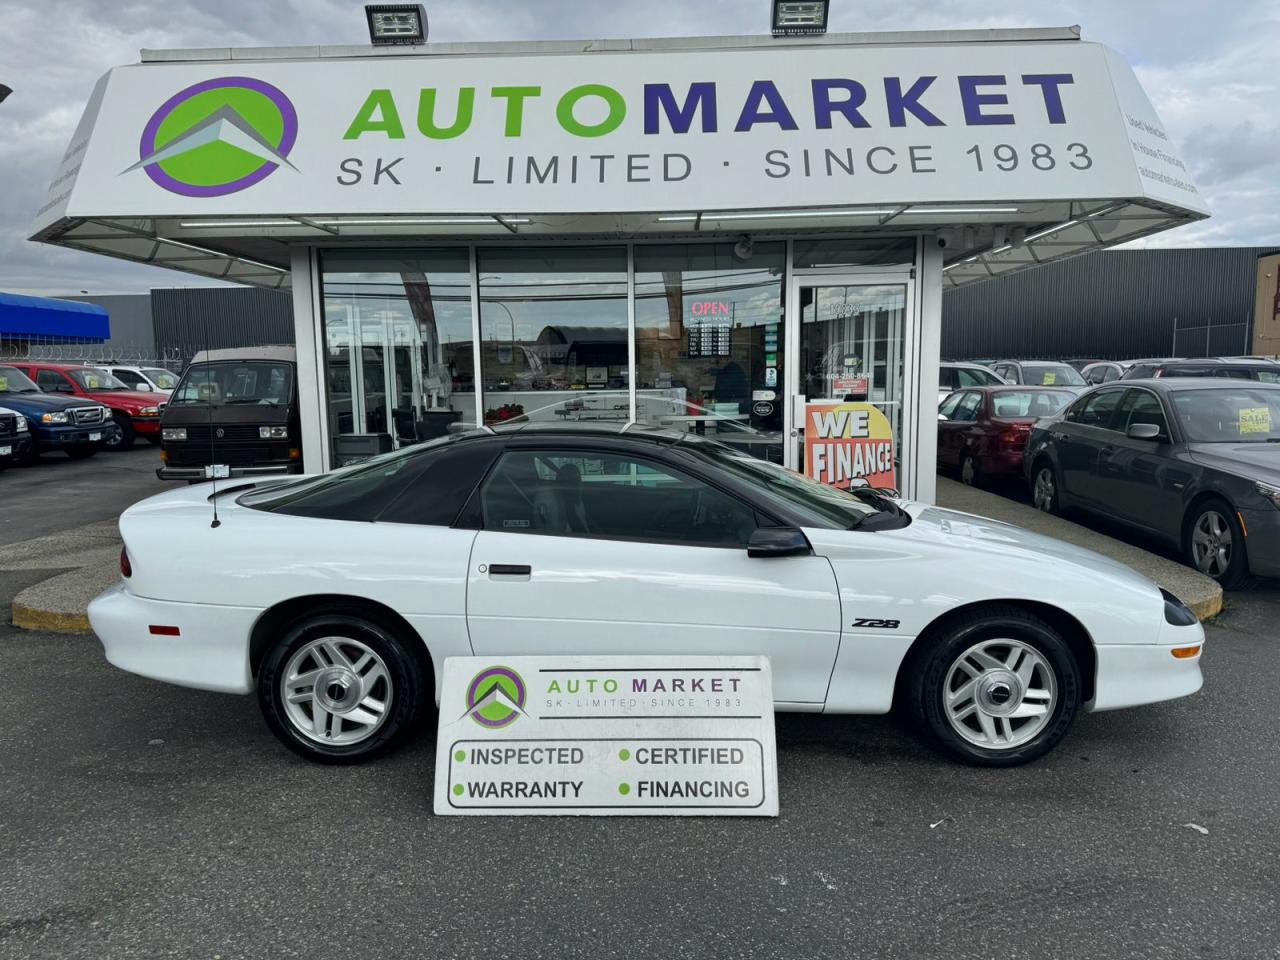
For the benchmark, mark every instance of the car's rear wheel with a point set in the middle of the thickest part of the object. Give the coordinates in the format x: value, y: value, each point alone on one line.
x: 999, y: 688
x: 82, y: 452
x: 1215, y: 544
x: 1044, y: 488
x: 127, y: 436
x: 970, y: 475
x: 341, y: 688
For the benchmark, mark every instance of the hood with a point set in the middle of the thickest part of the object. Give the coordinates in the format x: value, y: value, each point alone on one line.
x: 1253, y: 461
x: 43, y: 402
x: 1032, y: 553
x: 129, y: 399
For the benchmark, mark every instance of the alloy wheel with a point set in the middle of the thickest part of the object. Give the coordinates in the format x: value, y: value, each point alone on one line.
x: 336, y: 690
x: 1045, y: 490
x: 1000, y: 693
x: 968, y: 472
x: 1211, y: 543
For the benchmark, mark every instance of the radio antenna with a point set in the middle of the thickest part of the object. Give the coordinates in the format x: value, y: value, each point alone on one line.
x: 213, y: 450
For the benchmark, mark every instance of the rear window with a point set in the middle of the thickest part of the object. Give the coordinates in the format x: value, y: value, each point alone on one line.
x: 1051, y: 375
x: 1028, y: 403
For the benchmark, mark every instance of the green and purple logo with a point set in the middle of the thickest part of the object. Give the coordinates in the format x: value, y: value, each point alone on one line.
x: 496, y: 697
x: 218, y: 137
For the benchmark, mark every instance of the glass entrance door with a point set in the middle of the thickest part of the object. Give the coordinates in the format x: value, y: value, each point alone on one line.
x: 850, y: 348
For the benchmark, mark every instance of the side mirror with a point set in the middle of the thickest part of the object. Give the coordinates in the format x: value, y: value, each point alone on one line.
x: 778, y: 542
x: 143, y: 386
x: 63, y: 388
x: 942, y: 417
x: 1143, y: 431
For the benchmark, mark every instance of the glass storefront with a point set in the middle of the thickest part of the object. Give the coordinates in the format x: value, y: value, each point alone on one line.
x: 397, y: 346
x: 554, y: 332
x: 709, y: 342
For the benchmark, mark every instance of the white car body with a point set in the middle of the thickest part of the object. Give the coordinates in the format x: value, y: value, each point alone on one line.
x: 136, y: 375
x: 605, y: 596
x: 947, y: 385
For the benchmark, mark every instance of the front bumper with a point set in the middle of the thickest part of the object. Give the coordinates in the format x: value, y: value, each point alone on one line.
x: 211, y: 651
x: 1133, y: 674
x: 145, y: 426
x: 1262, y: 544
x: 197, y: 473
x: 18, y: 446
x: 58, y: 438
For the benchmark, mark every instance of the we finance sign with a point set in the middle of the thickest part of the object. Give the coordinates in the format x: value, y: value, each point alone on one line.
x: 614, y: 132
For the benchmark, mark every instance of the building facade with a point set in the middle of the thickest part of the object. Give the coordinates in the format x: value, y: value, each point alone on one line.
x: 713, y: 234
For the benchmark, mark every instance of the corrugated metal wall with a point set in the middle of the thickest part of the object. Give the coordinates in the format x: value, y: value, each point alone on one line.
x: 1113, y: 304
x: 193, y: 319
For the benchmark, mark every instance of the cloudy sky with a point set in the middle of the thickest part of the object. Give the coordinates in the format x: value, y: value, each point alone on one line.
x: 1209, y: 67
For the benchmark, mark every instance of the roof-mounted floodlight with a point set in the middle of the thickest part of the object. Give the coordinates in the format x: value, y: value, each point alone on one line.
x: 794, y: 18
x: 396, y: 23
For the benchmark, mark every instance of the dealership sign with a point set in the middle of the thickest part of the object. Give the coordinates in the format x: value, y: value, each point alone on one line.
x: 607, y: 735
x: 844, y: 442
x: 621, y: 132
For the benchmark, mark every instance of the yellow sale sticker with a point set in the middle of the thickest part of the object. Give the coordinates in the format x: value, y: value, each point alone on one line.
x: 4, y: 383
x: 1255, y: 420
x: 93, y: 382
x: 1050, y: 378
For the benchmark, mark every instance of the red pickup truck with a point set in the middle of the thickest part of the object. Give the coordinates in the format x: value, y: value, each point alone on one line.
x: 137, y: 413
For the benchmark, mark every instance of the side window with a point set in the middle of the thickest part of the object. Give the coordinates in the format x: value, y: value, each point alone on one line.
x: 948, y: 408
x: 1142, y: 407
x: 1269, y: 376
x: 127, y: 377
x: 947, y: 378
x: 1006, y: 371
x: 1109, y: 374
x: 972, y: 378
x: 967, y: 410
x: 609, y: 496
x: 1096, y: 410
x: 52, y: 381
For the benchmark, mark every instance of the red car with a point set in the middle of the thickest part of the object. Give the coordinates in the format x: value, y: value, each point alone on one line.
x: 137, y: 413
x: 982, y: 431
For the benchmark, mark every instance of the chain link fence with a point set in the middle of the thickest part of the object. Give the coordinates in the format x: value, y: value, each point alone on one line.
x: 172, y: 357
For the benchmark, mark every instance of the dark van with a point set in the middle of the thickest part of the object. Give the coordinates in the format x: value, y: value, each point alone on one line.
x: 233, y: 414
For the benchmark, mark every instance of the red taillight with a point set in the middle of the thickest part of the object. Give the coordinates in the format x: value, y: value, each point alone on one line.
x: 126, y: 568
x: 162, y: 631
x: 1015, y: 434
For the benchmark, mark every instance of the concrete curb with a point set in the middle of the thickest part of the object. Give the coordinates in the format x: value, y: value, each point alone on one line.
x: 49, y: 621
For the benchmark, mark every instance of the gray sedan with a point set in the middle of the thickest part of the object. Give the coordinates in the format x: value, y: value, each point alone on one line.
x: 1195, y: 462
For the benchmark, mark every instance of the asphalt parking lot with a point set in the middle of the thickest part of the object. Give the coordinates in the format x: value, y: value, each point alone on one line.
x: 143, y: 820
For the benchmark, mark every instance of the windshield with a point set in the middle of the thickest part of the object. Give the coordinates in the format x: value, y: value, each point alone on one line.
x: 161, y: 378
x: 13, y: 380
x: 96, y: 380
x: 1239, y: 415
x: 227, y: 382
x: 1051, y: 374
x: 1028, y: 403
x: 827, y: 506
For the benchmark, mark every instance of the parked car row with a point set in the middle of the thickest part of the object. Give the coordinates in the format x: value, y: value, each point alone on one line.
x: 1187, y: 451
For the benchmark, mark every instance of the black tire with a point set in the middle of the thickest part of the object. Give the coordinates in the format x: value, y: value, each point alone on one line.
x: 1049, y: 501
x: 970, y: 473
x: 83, y: 452
x: 1218, y: 514
x: 127, y: 435
x: 930, y: 669
x: 410, y: 684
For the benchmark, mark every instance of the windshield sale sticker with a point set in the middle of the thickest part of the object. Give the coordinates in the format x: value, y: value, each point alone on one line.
x: 607, y: 736
x: 1255, y: 420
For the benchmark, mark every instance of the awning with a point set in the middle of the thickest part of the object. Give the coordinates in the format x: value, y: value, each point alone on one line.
x: 1011, y: 147
x: 52, y: 321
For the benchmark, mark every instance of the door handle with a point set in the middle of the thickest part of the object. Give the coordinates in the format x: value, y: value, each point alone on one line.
x: 510, y: 570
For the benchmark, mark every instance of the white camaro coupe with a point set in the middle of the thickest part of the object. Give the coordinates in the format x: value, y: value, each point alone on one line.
x: 338, y: 597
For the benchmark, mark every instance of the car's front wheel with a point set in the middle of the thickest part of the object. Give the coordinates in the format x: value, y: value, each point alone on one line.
x: 1044, y: 488
x: 1215, y: 544
x: 340, y: 688
x: 125, y: 439
x: 998, y: 688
